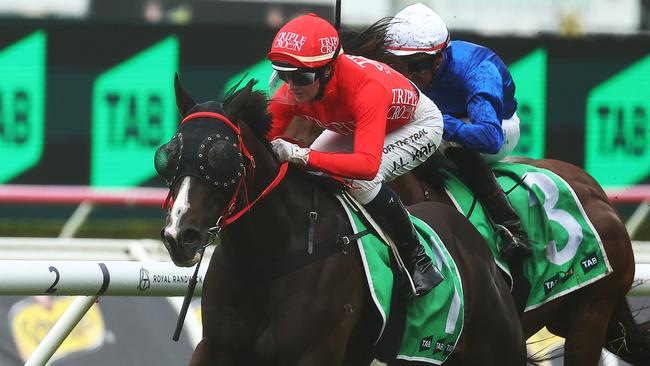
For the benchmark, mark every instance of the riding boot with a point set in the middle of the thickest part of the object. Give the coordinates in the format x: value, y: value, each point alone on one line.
x: 478, y: 175
x: 502, y: 212
x: 389, y: 212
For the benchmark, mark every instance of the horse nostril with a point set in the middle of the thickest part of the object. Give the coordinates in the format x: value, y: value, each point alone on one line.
x: 168, y: 239
x: 191, y: 237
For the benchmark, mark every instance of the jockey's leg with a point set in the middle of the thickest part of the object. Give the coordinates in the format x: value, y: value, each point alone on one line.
x: 389, y: 212
x: 404, y: 149
x: 478, y: 175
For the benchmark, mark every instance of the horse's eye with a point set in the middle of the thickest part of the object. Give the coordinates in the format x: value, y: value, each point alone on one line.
x: 166, y: 158
x: 223, y: 159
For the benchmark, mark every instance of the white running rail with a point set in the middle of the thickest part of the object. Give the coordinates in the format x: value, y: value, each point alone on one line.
x: 86, y: 278
x: 89, y: 268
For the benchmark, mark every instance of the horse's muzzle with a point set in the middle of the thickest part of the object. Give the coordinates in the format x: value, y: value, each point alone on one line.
x: 183, y: 248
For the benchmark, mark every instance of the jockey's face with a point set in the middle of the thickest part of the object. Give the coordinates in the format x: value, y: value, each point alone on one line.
x: 305, y: 87
x: 304, y: 93
x: 422, y: 68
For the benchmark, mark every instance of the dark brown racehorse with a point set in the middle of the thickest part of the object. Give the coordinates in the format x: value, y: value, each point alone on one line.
x: 266, y: 301
x: 591, y: 318
x: 596, y: 315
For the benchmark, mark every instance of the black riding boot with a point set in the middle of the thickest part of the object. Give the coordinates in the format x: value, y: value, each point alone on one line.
x: 389, y: 212
x: 478, y: 175
x: 517, y: 243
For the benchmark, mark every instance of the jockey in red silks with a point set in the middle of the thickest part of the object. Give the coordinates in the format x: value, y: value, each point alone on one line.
x: 476, y: 93
x: 377, y: 127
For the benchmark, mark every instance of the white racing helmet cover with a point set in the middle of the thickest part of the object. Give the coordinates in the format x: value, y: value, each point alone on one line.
x: 417, y: 29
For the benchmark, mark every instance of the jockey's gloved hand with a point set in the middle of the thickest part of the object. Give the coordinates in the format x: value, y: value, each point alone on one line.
x: 287, y: 151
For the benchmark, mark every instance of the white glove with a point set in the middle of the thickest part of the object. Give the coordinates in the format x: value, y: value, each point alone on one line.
x: 286, y: 151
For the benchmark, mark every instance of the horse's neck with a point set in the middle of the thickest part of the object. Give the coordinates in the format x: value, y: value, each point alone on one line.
x: 278, y: 224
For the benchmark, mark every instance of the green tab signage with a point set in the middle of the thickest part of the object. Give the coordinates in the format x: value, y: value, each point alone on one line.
x: 134, y: 112
x: 529, y: 75
x: 618, y: 127
x: 22, y: 100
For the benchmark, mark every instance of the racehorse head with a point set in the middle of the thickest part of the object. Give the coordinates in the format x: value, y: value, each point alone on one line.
x: 208, y: 167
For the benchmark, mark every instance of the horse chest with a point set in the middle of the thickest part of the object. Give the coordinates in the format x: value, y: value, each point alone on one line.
x: 268, y: 337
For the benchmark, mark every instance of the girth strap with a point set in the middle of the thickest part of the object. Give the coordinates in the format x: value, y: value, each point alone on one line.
x: 294, y: 262
x: 345, y: 241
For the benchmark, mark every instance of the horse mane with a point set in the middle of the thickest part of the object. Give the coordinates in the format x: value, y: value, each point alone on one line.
x: 251, y: 106
x: 371, y: 43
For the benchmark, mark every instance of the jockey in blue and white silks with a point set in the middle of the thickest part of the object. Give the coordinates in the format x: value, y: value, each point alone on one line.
x: 473, y: 84
x: 470, y: 84
x: 473, y: 88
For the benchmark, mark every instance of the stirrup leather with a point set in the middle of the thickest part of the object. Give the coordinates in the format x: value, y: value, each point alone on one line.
x: 381, y: 232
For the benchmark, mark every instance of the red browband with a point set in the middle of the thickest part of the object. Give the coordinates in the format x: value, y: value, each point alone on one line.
x: 218, y: 116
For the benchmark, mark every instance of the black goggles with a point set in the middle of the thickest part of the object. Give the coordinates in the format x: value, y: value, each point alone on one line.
x: 299, y: 78
x: 421, y: 65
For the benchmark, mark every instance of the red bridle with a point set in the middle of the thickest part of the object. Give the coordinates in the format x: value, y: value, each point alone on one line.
x: 228, y: 216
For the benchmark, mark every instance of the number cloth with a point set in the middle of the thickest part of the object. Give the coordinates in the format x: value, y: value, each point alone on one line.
x: 567, y: 252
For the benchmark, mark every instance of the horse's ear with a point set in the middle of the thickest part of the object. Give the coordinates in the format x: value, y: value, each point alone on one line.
x: 184, y: 101
x: 238, y: 100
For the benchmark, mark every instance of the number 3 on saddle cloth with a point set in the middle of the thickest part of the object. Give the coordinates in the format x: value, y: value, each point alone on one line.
x: 567, y: 252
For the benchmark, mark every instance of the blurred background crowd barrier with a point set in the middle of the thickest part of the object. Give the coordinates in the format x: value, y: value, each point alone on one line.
x: 86, y: 94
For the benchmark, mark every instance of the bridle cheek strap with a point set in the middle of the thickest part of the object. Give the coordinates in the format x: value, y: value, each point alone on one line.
x: 228, y: 217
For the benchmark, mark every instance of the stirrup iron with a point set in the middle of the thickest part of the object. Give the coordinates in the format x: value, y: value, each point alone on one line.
x: 513, y: 244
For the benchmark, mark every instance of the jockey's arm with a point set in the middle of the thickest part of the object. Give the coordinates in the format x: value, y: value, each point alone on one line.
x: 370, y: 109
x: 483, y: 137
x: 286, y: 124
x: 302, y: 131
x: 484, y: 105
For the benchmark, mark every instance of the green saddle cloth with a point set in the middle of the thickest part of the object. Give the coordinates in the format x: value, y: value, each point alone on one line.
x: 435, y: 321
x: 567, y: 251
